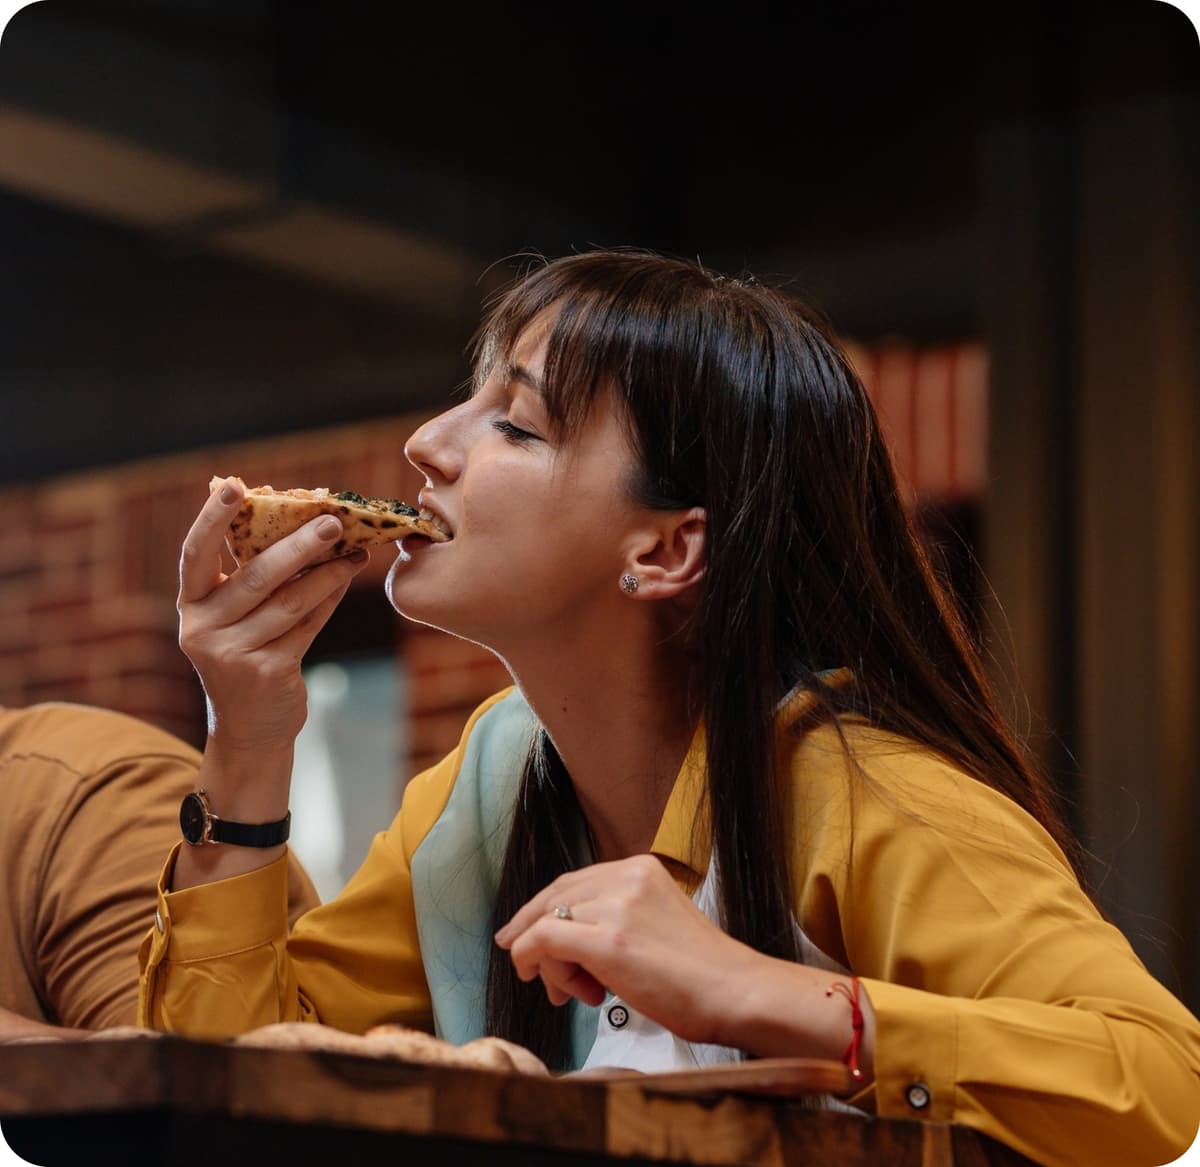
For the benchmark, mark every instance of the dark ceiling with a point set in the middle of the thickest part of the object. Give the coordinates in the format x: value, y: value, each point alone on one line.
x: 225, y: 218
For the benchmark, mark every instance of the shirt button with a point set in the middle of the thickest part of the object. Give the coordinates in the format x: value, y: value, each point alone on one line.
x: 158, y: 920
x: 618, y: 1016
x: 918, y: 1096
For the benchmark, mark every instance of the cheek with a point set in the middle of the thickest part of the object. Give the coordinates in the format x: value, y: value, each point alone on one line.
x: 515, y: 491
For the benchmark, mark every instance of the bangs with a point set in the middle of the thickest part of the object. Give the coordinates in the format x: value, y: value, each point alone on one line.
x: 610, y: 313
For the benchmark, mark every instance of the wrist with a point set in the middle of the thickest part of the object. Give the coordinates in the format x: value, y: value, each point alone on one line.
x: 245, y: 785
x: 792, y: 1010
x: 745, y: 1012
x: 200, y: 826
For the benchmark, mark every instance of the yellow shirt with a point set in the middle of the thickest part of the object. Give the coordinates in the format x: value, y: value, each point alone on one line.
x: 1003, y: 1001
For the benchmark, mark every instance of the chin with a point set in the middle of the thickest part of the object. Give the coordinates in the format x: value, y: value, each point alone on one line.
x: 404, y: 594
x: 395, y: 588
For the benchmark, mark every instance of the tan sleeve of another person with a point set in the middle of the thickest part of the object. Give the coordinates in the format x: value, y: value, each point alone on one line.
x: 98, y: 890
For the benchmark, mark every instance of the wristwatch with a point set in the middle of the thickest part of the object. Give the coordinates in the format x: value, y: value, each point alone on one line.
x: 199, y: 825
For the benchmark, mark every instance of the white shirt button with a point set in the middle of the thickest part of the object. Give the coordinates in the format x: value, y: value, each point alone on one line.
x: 618, y: 1016
x: 918, y: 1096
x: 158, y: 920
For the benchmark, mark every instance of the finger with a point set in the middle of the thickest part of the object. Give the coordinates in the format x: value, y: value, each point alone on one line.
x: 553, y: 973
x: 551, y: 946
x: 303, y: 605
x: 200, y: 557
x: 565, y: 980
x: 297, y: 641
x: 569, y: 890
x: 270, y: 569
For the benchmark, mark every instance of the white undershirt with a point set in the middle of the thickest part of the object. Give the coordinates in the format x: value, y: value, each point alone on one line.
x: 630, y: 1040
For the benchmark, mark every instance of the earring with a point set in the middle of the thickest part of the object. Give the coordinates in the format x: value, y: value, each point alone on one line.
x: 629, y: 584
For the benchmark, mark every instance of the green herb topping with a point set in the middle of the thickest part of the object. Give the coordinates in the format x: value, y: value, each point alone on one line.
x: 384, y: 504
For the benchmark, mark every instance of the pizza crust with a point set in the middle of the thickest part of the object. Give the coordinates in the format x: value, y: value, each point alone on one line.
x: 267, y: 515
x: 486, y: 1053
x: 398, y: 1042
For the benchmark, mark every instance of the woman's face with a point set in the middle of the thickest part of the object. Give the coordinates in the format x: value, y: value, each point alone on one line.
x: 540, y: 524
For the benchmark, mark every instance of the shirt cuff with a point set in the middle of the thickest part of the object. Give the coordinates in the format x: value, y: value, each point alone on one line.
x: 916, y: 1052
x: 229, y: 915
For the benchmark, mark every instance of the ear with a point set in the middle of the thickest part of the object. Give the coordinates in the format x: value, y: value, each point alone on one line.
x: 667, y: 554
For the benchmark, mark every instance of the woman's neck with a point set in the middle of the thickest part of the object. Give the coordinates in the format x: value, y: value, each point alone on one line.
x: 619, y: 719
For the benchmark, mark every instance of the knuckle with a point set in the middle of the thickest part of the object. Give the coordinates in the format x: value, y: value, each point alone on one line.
x: 292, y: 602
x: 639, y: 877
x: 188, y: 555
x: 255, y: 580
x: 315, y: 621
x: 191, y: 639
x: 268, y: 667
x: 622, y: 915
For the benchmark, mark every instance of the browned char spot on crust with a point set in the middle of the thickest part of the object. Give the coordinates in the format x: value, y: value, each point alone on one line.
x: 388, y: 524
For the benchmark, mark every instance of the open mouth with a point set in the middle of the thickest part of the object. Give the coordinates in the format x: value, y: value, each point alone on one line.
x: 436, y: 520
x: 414, y: 541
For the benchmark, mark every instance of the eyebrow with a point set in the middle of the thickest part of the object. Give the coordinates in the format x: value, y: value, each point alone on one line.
x: 522, y: 374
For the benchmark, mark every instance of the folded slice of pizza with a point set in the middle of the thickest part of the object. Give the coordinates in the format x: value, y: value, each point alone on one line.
x: 267, y: 515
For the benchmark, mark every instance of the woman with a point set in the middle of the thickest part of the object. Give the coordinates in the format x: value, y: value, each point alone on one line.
x: 741, y: 696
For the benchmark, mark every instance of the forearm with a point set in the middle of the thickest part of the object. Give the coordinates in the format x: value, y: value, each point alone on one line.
x: 13, y: 1027
x: 224, y: 961
x: 246, y: 634
x: 1024, y: 1071
x: 207, y: 939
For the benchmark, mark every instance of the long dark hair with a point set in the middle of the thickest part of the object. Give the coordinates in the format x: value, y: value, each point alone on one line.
x: 739, y: 399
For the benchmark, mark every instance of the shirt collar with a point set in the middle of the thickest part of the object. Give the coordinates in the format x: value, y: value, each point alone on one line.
x: 684, y: 833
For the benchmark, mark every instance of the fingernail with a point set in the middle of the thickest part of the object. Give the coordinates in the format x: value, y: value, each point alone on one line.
x: 329, y: 527
x: 229, y: 494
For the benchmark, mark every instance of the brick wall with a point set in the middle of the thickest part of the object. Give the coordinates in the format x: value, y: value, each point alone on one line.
x: 88, y: 579
x: 932, y: 406
x: 88, y: 562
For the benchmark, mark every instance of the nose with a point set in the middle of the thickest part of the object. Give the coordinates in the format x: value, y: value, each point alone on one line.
x: 433, y: 448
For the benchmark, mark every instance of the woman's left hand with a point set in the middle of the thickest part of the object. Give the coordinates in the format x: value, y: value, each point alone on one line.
x: 633, y: 932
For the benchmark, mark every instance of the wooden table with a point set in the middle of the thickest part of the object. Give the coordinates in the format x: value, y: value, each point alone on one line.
x: 176, y: 1101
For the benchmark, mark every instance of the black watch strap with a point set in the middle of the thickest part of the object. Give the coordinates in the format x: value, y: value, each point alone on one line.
x: 252, y: 834
x: 199, y: 826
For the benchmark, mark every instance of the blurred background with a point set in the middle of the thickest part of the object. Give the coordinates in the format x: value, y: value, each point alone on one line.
x: 253, y: 238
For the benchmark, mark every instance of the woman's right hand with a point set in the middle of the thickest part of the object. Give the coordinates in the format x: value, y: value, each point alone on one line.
x: 246, y: 634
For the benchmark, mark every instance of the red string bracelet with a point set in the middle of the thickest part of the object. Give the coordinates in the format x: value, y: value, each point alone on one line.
x: 850, y: 1057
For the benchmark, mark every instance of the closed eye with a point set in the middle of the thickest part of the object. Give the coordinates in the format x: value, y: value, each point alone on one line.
x: 512, y: 432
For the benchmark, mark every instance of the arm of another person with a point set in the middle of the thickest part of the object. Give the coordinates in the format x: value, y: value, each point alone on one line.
x: 14, y: 1027
x: 97, y: 891
x: 93, y: 799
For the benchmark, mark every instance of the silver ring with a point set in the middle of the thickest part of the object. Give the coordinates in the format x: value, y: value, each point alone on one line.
x: 563, y: 912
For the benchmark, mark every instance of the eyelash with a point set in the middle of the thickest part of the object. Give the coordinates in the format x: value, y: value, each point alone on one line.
x: 513, y: 433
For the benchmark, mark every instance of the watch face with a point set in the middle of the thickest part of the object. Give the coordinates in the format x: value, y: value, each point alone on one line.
x: 192, y: 819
